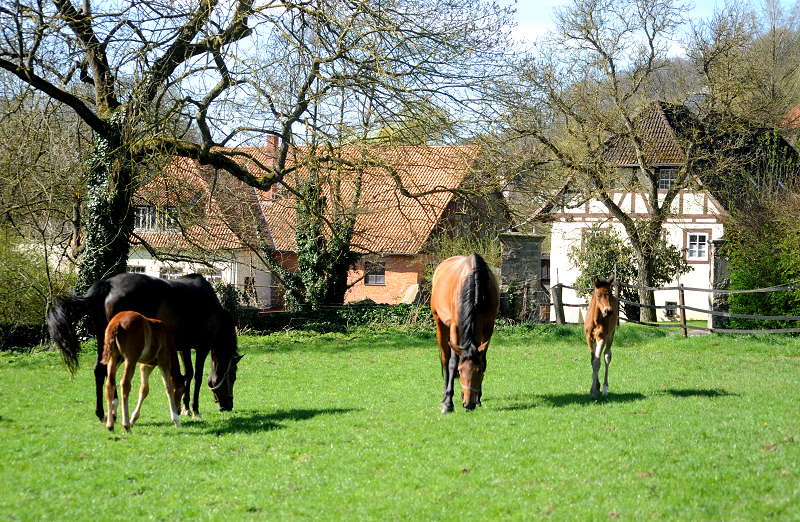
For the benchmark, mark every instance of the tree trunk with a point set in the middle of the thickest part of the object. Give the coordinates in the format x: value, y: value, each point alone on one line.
x: 644, y: 278
x: 109, y: 219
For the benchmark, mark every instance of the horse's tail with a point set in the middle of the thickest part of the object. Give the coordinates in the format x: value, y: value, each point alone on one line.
x: 473, y: 298
x: 64, y: 313
x: 110, y: 348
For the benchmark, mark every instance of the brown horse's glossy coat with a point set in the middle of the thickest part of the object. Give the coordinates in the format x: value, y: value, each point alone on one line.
x: 132, y: 337
x: 601, y: 321
x: 465, y: 300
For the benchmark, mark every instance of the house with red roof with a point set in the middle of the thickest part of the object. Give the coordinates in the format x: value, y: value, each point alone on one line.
x: 191, y: 218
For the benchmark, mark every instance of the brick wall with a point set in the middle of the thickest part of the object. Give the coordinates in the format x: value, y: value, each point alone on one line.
x: 401, y: 273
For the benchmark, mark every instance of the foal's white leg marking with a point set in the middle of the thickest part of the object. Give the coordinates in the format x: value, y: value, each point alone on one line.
x: 144, y: 390
x: 596, y: 361
x: 608, y: 361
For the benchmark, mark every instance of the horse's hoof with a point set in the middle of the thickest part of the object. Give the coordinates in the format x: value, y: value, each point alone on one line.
x: 185, y: 412
x: 196, y: 416
x: 447, y: 409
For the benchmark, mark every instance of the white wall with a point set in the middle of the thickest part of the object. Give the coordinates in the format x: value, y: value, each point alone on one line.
x: 234, y: 270
x: 698, y: 216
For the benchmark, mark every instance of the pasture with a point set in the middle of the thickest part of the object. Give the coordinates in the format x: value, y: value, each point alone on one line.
x: 347, y: 427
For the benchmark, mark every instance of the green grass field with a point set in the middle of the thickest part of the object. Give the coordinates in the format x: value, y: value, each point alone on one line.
x: 347, y: 427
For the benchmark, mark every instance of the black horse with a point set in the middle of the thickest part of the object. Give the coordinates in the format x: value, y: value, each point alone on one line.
x: 187, y: 305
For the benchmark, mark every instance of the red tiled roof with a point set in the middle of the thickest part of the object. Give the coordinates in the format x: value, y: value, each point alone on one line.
x: 386, y: 222
x: 660, y: 145
x: 203, y: 219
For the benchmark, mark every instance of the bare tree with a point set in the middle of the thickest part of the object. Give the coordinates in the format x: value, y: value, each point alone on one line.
x: 234, y: 72
x: 589, y: 88
x: 41, y: 197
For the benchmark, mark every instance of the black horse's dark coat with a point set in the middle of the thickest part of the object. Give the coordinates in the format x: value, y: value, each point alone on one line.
x: 188, y: 306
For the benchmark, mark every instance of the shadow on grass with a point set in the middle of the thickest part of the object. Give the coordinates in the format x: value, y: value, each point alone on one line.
x: 253, y: 422
x: 569, y: 399
x: 698, y: 393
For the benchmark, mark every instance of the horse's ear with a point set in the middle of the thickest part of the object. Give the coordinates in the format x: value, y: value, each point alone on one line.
x: 595, y: 281
x: 483, y: 347
x: 238, y: 358
x: 611, y: 280
x: 455, y: 348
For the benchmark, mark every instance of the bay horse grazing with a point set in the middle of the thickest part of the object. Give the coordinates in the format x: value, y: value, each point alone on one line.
x: 132, y: 337
x: 189, y: 308
x: 465, y: 299
x: 601, y: 321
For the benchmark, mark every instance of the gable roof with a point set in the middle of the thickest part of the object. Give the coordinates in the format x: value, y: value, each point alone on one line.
x: 656, y: 125
x: 205, y: 223
x: 386, y: 221
x: 220, y: 212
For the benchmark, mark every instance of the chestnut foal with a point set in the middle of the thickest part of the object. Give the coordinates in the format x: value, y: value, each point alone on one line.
x: 601, y: 321
x: 132, y: 337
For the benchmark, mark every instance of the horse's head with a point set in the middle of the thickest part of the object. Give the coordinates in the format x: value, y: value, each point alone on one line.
x: 471, y: 368
x: 224, y: 364
x: 221, y: 381
x: 604, y: 296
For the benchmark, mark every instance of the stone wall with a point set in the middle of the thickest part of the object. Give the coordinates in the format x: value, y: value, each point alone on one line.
x: 522, y: 293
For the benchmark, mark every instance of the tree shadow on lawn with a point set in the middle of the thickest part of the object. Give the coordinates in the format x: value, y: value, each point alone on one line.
x: 568, y: 399
x: 691, y: 392
x: 253, y: 421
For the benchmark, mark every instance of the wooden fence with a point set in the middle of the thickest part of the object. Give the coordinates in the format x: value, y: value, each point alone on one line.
x: 558, y: 304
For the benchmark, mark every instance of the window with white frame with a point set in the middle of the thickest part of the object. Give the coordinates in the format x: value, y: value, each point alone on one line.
x: 374, y: 273
x: 697, y: 246
x: 170, y: 273
x: 152, y: 219
x: 135, y: 269
x: 666, y: 178
x: 212, y: 276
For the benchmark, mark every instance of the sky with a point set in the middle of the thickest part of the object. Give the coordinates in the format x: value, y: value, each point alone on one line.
x: 534, y: 17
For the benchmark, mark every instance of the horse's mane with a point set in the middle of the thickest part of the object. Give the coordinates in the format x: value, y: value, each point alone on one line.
x: 473, y: 298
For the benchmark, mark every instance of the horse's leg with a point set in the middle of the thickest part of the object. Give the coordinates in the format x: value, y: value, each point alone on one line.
x: 100, y: 372
x: 199, y: 361
x: 165, y: 366
x: 596, y: 362
x: 450, y: 376
x: 186, y: 357
x: 127, y: 378
x: 144, y: 389
x: 443, y: 337
x: 111, y: 391
x: 609, y: 341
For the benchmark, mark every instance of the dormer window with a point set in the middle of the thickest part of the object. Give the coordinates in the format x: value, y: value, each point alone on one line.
x: 149, y: 219
x: 667, y: 178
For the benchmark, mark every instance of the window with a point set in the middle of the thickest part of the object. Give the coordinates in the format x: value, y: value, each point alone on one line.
x: 171, y: 273
x: 144, y: 218
x: 666, y: 178
x: 374, y: 273
x: 671, y: 309
x: 588, y: 234
x: 211, y: 275
x: 150, y: 219
x: 135, y: 269
x: 698, y: 247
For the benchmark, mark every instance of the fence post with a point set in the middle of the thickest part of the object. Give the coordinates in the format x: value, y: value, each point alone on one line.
x: 558, y: 304
x: 616, y: 290
x: 682, y: 304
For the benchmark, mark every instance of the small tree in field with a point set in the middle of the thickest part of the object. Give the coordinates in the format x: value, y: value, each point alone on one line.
x: 604, y: 252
